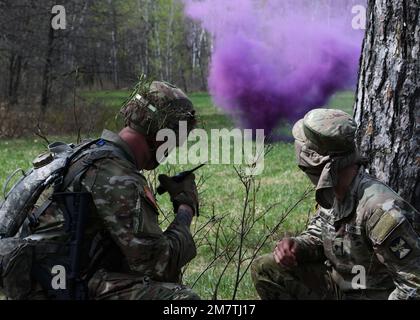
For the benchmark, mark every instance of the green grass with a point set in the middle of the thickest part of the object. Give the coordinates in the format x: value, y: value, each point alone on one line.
x: 343, y: 101
x: 222, y: 194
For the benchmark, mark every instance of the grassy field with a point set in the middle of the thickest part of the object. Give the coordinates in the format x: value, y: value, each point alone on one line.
x: 222, y: 200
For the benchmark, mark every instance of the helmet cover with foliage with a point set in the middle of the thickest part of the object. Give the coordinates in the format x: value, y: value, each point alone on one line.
x: 157, y: 105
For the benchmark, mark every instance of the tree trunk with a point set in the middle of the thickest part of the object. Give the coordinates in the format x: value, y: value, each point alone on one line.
x: 387, y: 108
x: 201, y: 52
x: 46, y: 72
x: 14, y: 78
x: 115, y: 77
x: 169, y: 43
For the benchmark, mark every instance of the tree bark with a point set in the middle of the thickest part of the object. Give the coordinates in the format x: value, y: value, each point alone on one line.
x: 114, y: 49
x: 14, y: 78
x: 46, y: 72
x: 387, y: 108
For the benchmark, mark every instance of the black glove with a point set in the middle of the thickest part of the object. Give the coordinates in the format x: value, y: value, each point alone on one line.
x: 184, y: 192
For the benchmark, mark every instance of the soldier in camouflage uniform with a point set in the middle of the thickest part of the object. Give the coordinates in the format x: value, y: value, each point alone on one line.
x: 127, y: 254
x: 363, y: 242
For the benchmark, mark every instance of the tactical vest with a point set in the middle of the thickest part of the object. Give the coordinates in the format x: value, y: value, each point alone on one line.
x: 26, y: 258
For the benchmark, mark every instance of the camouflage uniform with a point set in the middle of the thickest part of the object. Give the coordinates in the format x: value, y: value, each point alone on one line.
x: 128, y: 210
x: 372, y: 227
x: 139, y: 260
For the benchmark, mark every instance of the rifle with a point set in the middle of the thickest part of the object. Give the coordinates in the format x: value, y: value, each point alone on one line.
x: 75, y: 206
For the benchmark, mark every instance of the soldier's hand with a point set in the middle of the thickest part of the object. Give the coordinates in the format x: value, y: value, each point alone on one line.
x: 184, y: 192
x: 285, y: 252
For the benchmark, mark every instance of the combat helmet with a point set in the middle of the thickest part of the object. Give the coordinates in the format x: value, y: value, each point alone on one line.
x: 157, y: 105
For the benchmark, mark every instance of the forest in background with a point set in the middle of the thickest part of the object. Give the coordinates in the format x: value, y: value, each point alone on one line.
x: 106, y: 44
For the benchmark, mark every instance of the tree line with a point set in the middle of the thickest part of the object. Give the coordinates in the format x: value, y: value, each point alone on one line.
x: 106, y: 44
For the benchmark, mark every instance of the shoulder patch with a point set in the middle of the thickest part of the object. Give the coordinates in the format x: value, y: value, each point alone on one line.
x: 374, y: 218
x: 384, y: 225
x: 400, y: 248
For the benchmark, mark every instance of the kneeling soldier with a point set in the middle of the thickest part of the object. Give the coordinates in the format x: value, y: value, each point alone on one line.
x: 363, y: 242
x: 123, y: 253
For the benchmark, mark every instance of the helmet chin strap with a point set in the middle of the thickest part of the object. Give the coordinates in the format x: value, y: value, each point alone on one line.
x: 151, y: 143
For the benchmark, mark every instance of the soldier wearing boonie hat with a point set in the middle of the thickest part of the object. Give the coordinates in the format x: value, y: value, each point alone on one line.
x: 360, y: 224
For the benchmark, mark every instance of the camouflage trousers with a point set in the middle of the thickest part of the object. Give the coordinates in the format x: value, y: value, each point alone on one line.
x: 311, y: 281
x: 120, y: 286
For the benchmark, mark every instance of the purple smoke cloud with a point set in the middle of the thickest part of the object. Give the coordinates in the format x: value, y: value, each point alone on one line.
x: 275, y: 60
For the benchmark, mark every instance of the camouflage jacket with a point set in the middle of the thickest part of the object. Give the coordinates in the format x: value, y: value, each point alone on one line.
x: 127, y: 211
x: 379, y: 234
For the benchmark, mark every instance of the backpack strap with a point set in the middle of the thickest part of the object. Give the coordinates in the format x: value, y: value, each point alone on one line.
x: 77, y: 210
x: 86, y: 159
x: 82, y: 159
